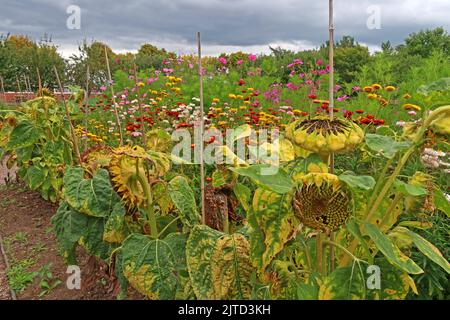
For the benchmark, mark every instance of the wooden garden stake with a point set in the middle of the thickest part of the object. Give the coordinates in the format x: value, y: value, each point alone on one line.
x: 141, y: 109
x: 3, y: 89
x: 86, y: 104
x: 119, y: 126
x: 19, y: 88
x: 331, y: 102
x: 202, y: 129
x: 39, y: 81
x: 72, y: 129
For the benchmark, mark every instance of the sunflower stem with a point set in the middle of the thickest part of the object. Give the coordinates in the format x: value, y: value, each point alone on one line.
x: 320, y: 254
x: 149, y: 206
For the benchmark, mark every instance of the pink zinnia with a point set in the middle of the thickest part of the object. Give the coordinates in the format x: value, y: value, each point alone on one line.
x: 252, y: 57
x: 223, y: 60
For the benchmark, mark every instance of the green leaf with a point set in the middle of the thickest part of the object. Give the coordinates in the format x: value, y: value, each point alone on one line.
x: 386, y: 146
x: 24, y: 135
x: 409, y: 189
x: 307, y: 291
x: 72, y: 228
x: 94, y: 197
x: 183, y: 197
x: 221, y: 177
x: 391, y: 251
x: 266, y: 176
x: 159, y: 140
x: 115, y: 227
x: 343, y: 284
x: 272, y: 224
x: 358, y: 182
x: 219, y: 264
x: 53, y: 152
x: 353, y: 228
x: 152, y: 266
x: 441, y: 202
x: 428, y: 249
x: 36, y: 176
x: 243, y: 194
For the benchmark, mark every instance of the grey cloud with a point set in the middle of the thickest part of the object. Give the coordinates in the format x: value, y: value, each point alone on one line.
x: 223, y: 23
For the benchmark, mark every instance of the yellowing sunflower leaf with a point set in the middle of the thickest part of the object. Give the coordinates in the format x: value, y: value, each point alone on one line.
x: 153, y: 266
x: 183, y: 197
x: 219, y: 264
x: 391, y: 251
x: 272, y: 224
x: 429, y: 250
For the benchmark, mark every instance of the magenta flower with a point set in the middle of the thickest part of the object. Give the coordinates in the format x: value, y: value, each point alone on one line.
x: 103, y: 88
x: 319, y: 62
x: 239, y: 62
x: 223, y: 60
x: 252, y: 57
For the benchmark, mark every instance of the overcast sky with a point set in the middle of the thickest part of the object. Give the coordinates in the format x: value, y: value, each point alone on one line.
x: 226, y: 25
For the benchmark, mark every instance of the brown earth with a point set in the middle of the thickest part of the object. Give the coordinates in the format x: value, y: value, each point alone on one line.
x: 28, y: 237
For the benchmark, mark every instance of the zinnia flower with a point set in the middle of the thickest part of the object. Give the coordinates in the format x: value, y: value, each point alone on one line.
x: 410, y: 106
x: 376, y: 86
x: 389, y: 88
x: 223, y: 60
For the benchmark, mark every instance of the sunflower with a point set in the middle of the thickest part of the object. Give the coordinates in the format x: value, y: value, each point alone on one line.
x: 324, y: 136
x: 321, y: 201
x: 126, y: 165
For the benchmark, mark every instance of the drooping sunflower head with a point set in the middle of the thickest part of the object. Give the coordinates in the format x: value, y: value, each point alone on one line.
x: 45, y: 92
x: 126, y: 164
x: 321, y: 201
x: 97, y: 157
x: 324, y: 136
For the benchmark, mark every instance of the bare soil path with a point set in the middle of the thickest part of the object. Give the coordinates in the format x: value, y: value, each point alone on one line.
x: 37, y: 270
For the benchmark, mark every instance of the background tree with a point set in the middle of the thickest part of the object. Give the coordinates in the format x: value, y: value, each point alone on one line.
x: 20, y: 56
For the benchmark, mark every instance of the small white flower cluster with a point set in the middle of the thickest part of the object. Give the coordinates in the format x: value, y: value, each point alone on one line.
x: 431, y: 159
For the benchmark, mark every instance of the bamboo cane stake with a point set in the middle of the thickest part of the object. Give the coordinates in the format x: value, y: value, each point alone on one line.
x: 39, y: 81
x: 331, y: 101
x: 119, y: 125
x: 3, y: 89
x: 19, y: 88
x: 29, y: 86
x: 86, y: 104
x: 202, y: 129
x: 72, y: 129
x: 141, y: 109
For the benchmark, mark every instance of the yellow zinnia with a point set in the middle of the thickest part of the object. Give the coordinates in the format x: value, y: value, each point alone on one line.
x: 389, y: 88
x: 376, y: 86
x: 368, y: 89
x: 410, y: 106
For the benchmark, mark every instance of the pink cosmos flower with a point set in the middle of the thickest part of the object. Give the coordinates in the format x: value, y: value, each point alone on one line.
x: 103, y: 88
x: 252, y: 57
